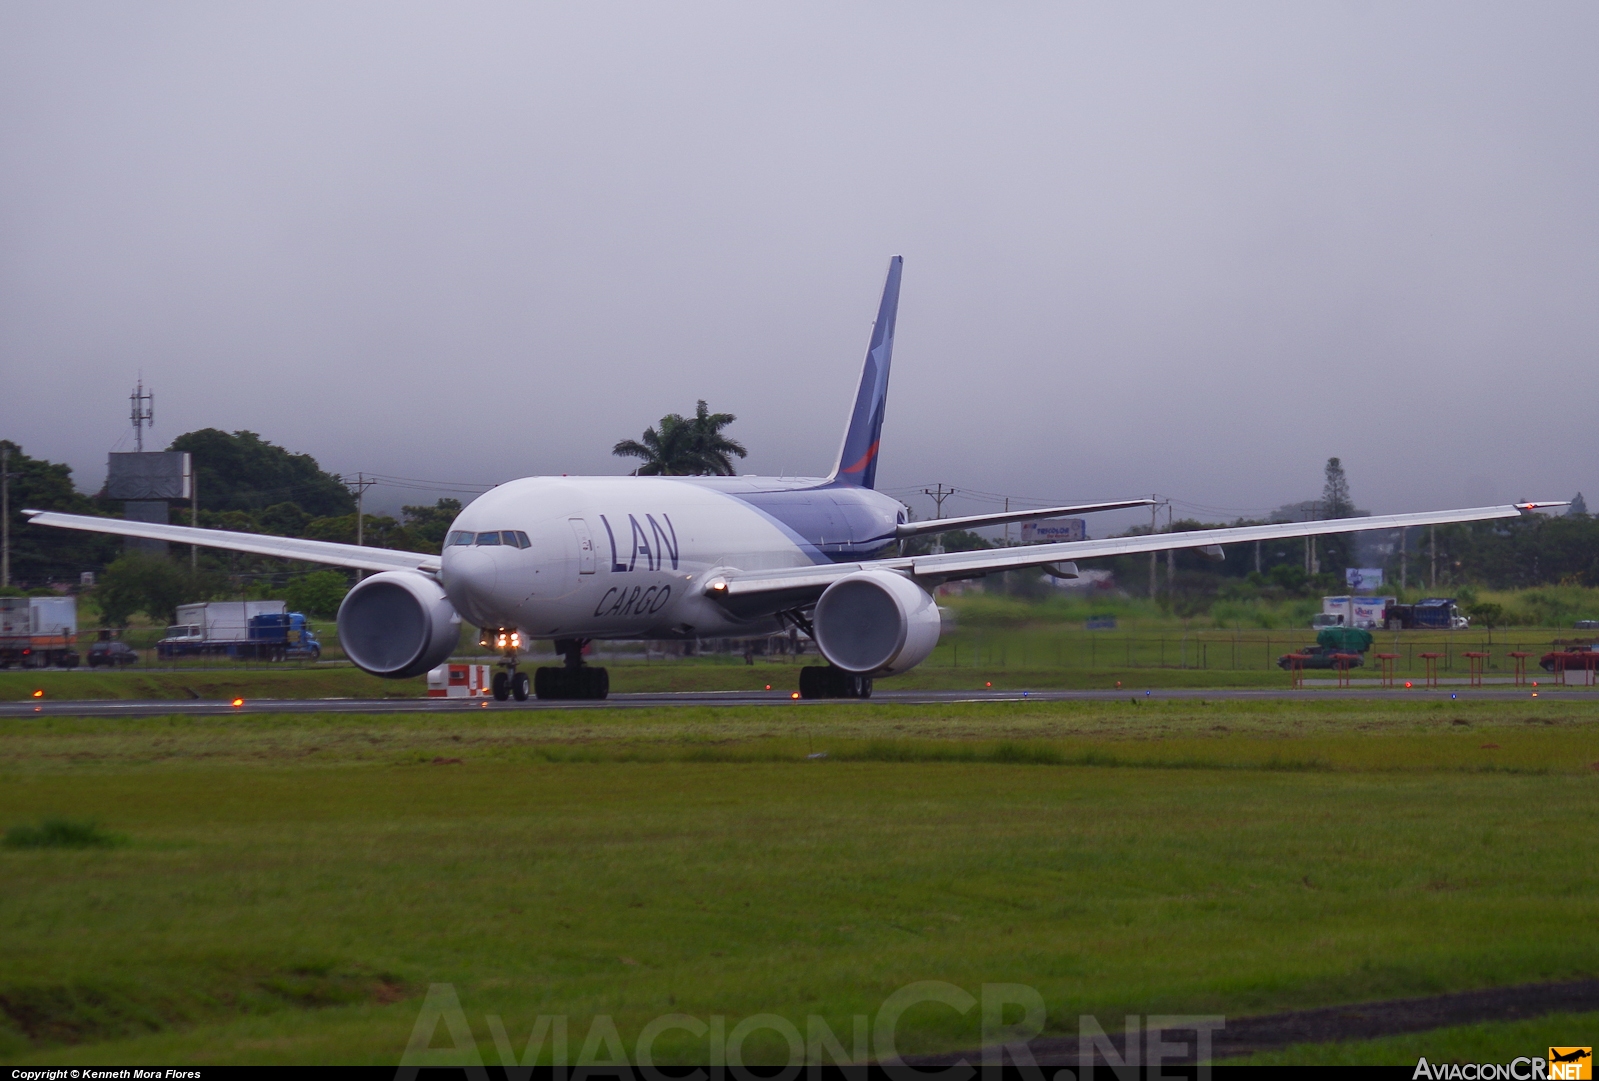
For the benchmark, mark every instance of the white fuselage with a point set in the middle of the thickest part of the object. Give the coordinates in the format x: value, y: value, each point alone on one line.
x: 628, y: 557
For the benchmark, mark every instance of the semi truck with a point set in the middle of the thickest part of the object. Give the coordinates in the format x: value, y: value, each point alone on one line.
x: 243, y: 630
x: 39, y: 632
x: 1433, y: 613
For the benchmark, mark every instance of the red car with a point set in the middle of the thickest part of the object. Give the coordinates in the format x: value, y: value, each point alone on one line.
x: 1573, y: 657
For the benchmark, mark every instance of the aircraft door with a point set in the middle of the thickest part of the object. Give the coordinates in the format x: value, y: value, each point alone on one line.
x: 585, y: 545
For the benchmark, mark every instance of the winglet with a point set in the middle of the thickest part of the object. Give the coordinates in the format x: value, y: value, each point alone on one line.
x: 857, y: 459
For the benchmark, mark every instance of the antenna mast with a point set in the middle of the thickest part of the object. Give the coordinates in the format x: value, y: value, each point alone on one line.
x: 141, y: 412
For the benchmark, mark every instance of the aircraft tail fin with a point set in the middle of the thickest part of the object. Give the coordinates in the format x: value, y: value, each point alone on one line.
x: 857, y: 459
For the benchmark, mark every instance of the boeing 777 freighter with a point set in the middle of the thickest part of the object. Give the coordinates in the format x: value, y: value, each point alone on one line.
x: 575, y: 559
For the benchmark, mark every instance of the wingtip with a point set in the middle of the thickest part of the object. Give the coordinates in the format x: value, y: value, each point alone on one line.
x: 1542, y: 504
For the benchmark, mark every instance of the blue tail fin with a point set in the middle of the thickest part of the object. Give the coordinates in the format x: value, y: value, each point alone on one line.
x: 857, y: 461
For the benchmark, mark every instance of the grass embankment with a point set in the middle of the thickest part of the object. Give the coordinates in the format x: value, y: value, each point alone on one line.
x: 289, y: 887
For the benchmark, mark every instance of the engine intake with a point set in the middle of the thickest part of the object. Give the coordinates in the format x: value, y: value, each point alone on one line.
x: 876, y: 623
x: 398, y: 624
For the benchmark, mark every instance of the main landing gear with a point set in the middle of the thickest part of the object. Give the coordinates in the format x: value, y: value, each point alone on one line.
x: 574, y: 679
x: 825, y: 681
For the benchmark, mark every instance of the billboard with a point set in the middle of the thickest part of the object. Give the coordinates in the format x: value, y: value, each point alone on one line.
x: 1054, y: 531
x: 158, y: 474
x: 1359, y: 578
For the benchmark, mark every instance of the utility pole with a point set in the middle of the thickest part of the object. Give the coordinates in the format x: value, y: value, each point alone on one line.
x: 360, y: 484
x: 1171, y: 556
x: 939, y: 494
x: 194, y: 513
x: 1404, y: 556
x: 1154, y: 509
x: 1432, y: 544
x: 5, y: 515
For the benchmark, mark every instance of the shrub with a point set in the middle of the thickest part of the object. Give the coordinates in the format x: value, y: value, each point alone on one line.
x: 62, y: 833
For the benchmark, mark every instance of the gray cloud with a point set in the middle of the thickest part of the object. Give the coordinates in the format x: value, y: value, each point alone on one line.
x: 1192, y: 251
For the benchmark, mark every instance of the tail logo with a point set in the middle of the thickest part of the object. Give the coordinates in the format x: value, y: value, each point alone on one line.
x: 865, y: 460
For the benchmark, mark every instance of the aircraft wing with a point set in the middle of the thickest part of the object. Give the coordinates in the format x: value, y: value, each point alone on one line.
x: 261, y: 544
x: 977, y: 521
x: 745, y: 592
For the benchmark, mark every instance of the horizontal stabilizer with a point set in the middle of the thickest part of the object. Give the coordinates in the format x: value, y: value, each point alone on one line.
x: 978, y: 521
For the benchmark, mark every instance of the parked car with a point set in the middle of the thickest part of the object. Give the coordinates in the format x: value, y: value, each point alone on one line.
x: 1320, y: 657
x: 111, y: 654
x: 1572, y: 656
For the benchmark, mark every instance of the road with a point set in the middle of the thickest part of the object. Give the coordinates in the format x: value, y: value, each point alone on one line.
x: 187, y: 707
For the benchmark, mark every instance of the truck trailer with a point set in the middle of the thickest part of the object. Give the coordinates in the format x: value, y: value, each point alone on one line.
x: 1366, y: 613
x: 243, y: 630
x: 39, y: 632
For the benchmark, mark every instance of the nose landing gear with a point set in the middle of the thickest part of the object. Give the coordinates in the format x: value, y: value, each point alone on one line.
x: 574, y: 679
x: 507, y: 682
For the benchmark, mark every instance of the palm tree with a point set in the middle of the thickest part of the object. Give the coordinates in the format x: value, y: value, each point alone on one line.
x: 684, y: 446
x: 710, y: 445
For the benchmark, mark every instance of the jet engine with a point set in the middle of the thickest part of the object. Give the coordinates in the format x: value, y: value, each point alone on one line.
x: 876, y: 623
x: 398, y: 624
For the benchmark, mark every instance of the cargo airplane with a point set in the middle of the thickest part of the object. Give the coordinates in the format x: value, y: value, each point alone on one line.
x: 576, y: 559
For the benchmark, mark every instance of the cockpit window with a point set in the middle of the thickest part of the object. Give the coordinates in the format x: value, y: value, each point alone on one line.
x: 462, y: 536
x: 488, y: 538
x: 522, y: 541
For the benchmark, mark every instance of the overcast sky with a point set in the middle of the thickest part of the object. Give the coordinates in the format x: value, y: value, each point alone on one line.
x: 1185, y: 249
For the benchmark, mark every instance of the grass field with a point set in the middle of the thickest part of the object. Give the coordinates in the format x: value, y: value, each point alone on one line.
x: 284, y: 889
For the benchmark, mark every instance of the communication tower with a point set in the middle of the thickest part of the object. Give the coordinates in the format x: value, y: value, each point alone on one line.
x: 141, y: 412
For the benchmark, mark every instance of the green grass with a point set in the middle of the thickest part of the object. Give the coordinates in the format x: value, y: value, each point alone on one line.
x: 292, y: 885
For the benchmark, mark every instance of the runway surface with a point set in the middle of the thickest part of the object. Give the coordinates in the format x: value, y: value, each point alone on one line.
x: 203, y: 707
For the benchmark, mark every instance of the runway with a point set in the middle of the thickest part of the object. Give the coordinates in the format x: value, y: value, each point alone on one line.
x: 204, y: 707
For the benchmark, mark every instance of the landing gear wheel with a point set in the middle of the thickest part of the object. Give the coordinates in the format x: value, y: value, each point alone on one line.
x: 519, y: 686
x: 565, y: 683
x: 825, y: 681
x: 501, y: 685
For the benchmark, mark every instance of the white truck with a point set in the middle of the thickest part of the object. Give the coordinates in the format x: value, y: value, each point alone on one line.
x: 37, y: 632
x: 246, y: 630
x: 1366, y: 613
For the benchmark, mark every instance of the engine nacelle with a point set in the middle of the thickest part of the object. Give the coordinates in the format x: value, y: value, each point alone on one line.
x: 398, y: 624
x: 876, y: 623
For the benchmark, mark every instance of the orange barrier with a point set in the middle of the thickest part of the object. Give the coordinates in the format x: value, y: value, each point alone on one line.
x: 1521, y: 666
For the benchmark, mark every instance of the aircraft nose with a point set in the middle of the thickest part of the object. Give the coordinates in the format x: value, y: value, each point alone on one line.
x: 472, y: 578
